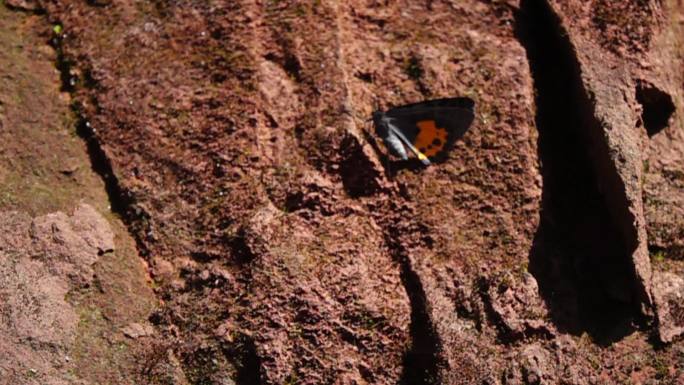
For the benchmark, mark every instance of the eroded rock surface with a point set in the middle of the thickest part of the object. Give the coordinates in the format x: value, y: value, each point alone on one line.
x: 287, y: 247
x: 41, y: 260
x: 669, y: 289
x: 26, y: 5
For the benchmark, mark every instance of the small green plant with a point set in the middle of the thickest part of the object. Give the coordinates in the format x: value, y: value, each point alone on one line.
x: 57, y: 29
x: 658, y: 256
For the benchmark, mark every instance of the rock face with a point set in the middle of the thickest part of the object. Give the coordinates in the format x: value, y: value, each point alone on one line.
x: 287, y: 247
x: 519, y: 310
x: 620, y: 108
x: 41, y: 260
x: 669, y: 290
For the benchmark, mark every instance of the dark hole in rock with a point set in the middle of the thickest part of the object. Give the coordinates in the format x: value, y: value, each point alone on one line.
x: 218, y: 78
x: 203, y: 256
x: 657, y: 105
x: 294, y: 201
x: 414, y: 68
x: 365, y: 76
x: 579, y: 255
x: 292, y: 66
x: 241, y: 252
x: 249, y: 363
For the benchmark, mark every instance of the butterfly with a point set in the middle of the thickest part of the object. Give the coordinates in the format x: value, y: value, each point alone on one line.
x: 428, y: 129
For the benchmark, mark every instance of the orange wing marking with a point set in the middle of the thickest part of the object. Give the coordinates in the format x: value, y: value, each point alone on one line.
x: 430, y: 139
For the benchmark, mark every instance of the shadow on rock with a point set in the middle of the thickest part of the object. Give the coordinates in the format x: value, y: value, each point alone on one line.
x: 578, y: 256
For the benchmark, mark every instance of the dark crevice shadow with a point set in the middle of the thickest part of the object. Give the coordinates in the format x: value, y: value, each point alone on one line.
x: 581, y: 254
x: 422, y: 362
x: 657, y: 105
x: 393, y: 167
x: 249, y: 364
x: 122, y: 201
x: 35, y: 10
x: 359, y: 177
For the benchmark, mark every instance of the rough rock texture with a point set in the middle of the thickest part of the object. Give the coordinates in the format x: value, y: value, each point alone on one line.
x: 621, y: 82
x: 41, y: 260
x: 519, y: 309
x: 670, y: 289
x: 136, y: 330
x: 25, y: 5
x: 288, y: 248
x: 643, y: 68
x: 661, y: 100
x: 45, y: 168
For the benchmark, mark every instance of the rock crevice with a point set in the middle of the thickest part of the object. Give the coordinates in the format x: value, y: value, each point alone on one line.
x: 590, y: 250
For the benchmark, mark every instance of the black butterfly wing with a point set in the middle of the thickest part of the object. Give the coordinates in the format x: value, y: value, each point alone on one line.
x: 433, y: 127
x: 464, y: 103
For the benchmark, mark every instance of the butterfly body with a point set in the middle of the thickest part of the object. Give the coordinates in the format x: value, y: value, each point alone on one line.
x: 428, y: 129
